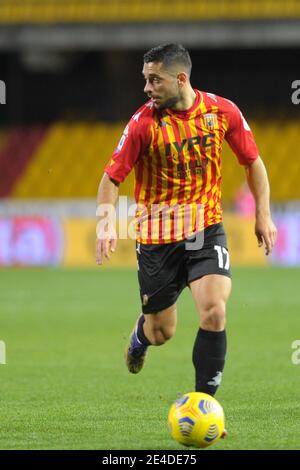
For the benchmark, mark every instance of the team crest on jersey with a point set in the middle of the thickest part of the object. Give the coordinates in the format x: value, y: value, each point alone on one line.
x: 210, y: 121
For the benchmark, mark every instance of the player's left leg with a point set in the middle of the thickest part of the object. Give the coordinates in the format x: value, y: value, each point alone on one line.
x: 210, y: 293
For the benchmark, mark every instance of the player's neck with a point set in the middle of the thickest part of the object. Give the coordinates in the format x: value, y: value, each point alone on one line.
x: 187, y: 100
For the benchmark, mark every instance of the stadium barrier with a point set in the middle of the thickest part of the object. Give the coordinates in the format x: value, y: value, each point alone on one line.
x: 80, y: 236
x: 63, y: 232
x: 70, y: 241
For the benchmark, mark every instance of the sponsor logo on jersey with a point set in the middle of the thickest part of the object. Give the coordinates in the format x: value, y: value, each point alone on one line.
x: 193, y: 167
x: 188, y: 144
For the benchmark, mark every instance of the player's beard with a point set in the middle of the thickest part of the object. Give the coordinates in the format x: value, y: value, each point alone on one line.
x: 169, y: 103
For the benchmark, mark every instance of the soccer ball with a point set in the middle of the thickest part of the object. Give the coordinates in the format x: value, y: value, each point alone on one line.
x: 196, y: 419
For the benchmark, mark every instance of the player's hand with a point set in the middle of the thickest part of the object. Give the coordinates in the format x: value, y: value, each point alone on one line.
x: 266, y: 233
x: 106, y: 242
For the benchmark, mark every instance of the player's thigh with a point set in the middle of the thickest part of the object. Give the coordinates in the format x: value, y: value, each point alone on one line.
x: 211, y: 291
x: 161, y: 275
x: 164, y: 320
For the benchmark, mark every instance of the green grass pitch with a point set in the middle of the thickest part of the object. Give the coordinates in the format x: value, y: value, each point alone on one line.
x: 65, y: 385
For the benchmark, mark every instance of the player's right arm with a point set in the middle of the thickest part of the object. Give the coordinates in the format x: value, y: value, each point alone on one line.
x: 107, y: 197
x: 132, y: 145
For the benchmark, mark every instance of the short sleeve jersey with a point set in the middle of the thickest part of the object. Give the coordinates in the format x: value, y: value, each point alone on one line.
x: 176, y: 156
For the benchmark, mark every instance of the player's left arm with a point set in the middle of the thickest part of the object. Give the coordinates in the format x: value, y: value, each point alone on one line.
x: 258, y: 182
x: 240, y: 138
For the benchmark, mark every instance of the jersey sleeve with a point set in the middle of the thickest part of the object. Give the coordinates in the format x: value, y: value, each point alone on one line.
x: 240, y: 137
x: 132, y: 145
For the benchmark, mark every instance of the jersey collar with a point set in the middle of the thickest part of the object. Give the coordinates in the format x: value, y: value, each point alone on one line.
x: 187, y: 112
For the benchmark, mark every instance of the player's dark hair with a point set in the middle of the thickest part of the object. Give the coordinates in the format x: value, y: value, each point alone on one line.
x: 169, y: 54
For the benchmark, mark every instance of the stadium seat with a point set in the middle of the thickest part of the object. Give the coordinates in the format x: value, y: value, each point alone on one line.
x: 78, y: 11
x: 69, y: 158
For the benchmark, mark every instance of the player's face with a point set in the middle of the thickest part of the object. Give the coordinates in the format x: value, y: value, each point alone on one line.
x: 161, y: 85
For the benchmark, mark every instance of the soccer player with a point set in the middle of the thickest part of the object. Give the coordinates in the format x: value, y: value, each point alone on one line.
x: 174, y: 144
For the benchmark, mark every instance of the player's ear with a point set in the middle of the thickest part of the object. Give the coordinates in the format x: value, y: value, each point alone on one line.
x: 182, y: 78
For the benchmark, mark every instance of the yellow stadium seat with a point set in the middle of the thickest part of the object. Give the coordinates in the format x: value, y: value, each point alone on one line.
x: 70, y: 161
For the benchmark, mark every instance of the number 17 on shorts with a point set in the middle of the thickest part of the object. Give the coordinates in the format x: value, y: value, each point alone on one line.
x: 223, y: 257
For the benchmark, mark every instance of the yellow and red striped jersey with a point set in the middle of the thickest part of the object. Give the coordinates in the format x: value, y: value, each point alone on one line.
x: 176, y: 156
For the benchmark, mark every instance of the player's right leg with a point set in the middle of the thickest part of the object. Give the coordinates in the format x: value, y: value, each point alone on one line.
x: 150, y: 329
x: 161, y: 279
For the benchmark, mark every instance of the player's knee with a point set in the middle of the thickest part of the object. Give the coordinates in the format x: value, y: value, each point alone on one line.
x: 157, y: 338
x: 161, y: 335
x: 214, y: 317
x: 168, y: 332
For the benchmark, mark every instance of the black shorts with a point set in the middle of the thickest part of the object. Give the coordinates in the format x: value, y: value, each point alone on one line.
x: 164, y: 270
